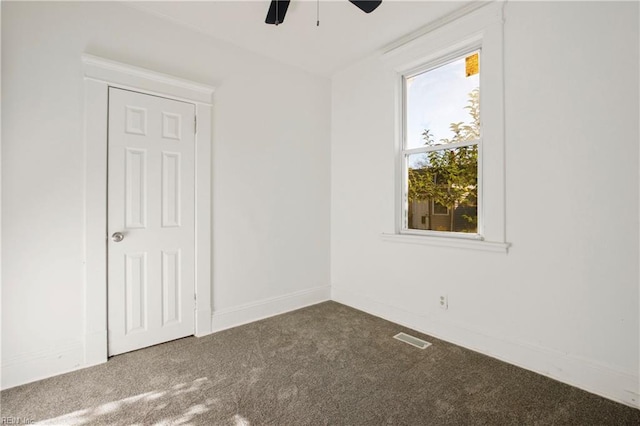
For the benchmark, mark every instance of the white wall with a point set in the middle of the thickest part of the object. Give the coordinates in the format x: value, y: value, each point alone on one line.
x: 270, y: 166
x: 564, y: 300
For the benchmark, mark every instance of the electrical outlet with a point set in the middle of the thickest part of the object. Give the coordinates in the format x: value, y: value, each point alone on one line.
x: 444, y: 301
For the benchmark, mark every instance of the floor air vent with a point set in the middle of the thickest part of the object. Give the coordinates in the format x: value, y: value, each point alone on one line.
x: 413, y: 341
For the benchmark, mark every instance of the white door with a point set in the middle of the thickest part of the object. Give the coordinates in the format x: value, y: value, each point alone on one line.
x: 150, y: 220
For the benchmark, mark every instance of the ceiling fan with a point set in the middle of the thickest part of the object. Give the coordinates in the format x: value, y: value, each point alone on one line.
x: 278, y: 8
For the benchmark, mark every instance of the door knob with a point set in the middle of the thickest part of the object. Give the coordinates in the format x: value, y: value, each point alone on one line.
x: 117, y: 237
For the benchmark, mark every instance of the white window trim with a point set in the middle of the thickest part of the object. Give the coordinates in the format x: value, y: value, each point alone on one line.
x: 480, y: 29
x: 100, y: 74
x: 450, y: 242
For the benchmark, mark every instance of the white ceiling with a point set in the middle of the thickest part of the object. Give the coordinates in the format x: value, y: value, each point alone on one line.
x: 345, y: 35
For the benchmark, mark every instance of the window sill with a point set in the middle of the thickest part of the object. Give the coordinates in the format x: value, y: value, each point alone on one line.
x: 463, y: 243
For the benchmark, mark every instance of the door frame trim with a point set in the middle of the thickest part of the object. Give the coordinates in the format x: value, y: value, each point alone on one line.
x: 99, y: 74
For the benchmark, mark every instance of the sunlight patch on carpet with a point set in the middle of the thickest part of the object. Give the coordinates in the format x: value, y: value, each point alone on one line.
x: 241, y: 421
x: 136, y: 404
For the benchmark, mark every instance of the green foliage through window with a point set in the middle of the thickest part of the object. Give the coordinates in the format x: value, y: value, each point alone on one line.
x: 448, y: 176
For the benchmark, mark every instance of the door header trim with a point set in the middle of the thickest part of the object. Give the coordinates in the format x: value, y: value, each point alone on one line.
x: 142, y: 79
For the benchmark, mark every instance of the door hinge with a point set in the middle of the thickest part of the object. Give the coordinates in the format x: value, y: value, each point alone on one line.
x: 195, y: 124
x: 195, y: 302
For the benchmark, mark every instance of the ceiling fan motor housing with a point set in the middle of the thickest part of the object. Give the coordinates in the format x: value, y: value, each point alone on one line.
x: 278, y: 9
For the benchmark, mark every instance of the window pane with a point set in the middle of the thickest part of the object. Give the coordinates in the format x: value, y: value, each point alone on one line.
x: 440, y: 209
x: 442, y: 105
x: 442, y: 190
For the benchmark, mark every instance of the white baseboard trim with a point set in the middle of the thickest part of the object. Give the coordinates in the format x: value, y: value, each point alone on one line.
x: 232, y: 317
x: 33, y: 366
x: 582, y: 373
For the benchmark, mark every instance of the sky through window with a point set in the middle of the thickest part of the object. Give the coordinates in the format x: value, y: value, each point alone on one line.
x: 437, y: 98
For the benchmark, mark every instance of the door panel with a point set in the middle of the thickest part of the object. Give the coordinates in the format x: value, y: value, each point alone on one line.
x: 151, y: 203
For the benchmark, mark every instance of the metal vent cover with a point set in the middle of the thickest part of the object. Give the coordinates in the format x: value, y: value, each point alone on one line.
x: 413, y: 341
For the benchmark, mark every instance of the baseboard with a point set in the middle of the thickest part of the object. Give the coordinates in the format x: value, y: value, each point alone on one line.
x: 582, y: 373
x: 37, y: 365
x: 228, y: 318
x: 69, y: 356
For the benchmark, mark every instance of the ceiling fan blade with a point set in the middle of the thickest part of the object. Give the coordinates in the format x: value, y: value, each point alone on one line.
x: 281, y: 6
x: 367, y: 6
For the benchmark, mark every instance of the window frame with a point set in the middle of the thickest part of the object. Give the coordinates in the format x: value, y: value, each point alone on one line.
x: 403, y: 226
x: 474, y: 27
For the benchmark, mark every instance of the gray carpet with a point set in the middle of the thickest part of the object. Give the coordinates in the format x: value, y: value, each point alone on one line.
x: 325, y: 364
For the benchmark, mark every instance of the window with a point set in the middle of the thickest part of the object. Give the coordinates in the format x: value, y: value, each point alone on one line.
x: 441, y: 143
x: 453, y: 175
x: 439, y: 209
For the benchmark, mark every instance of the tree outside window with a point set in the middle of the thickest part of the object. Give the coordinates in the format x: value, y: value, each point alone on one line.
x: 442, y: 173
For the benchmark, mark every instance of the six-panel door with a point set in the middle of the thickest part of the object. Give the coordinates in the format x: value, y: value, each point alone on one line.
x: 151, y: 204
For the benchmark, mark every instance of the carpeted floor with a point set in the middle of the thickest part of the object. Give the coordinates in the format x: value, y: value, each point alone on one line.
x: 325, y: 364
